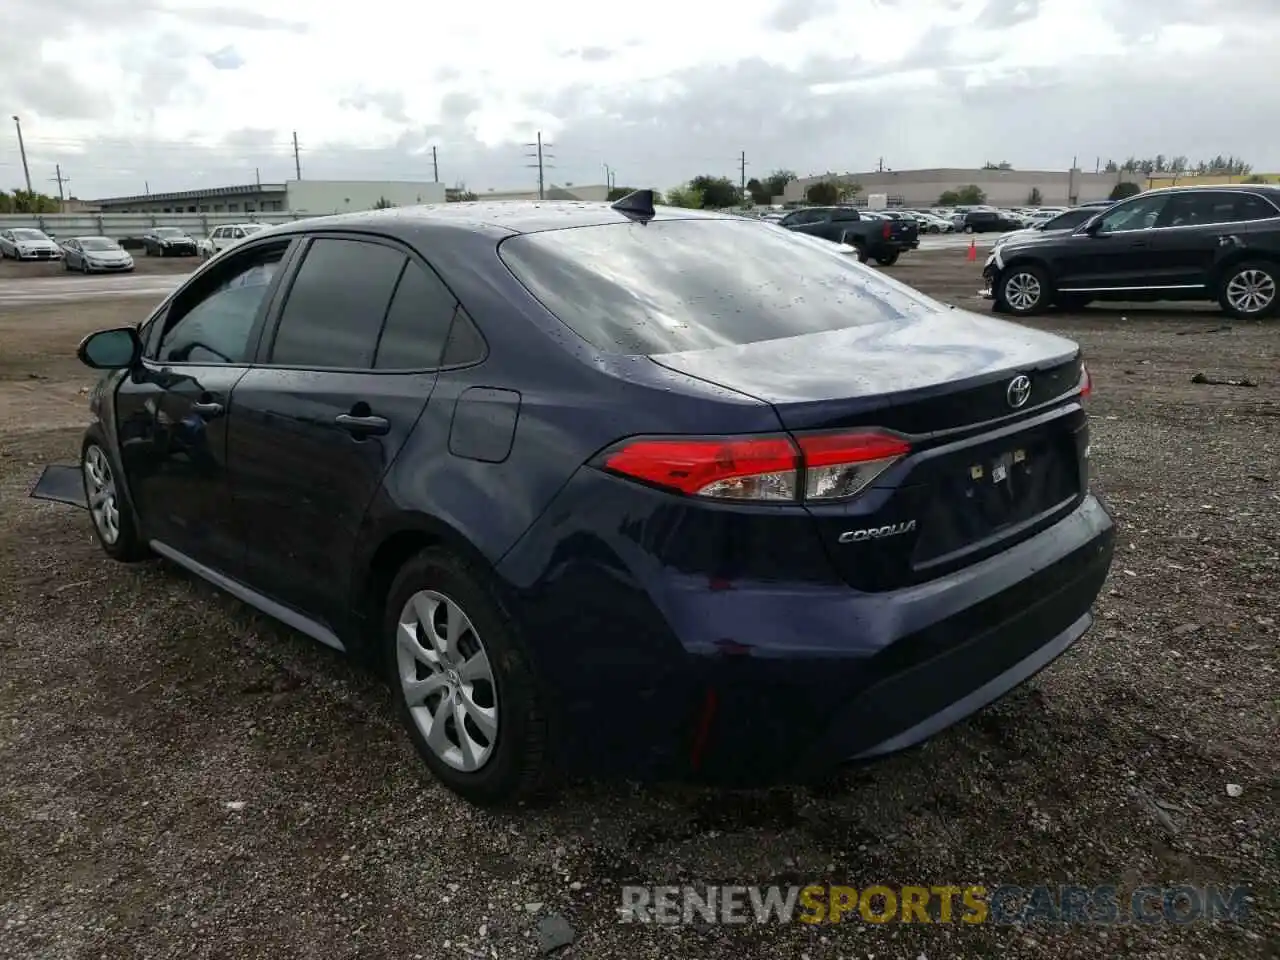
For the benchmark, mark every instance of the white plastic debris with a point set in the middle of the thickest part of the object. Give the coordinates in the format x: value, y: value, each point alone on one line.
x: 1234, y: 790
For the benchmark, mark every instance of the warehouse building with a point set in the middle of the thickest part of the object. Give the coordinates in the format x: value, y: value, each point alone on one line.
x: 312, y: 197
x: 1003, y: 188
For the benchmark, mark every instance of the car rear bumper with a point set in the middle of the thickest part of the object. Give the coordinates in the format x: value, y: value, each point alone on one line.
x: 745, y: 683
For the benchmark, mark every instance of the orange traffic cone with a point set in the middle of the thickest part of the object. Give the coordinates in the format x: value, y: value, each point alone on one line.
x: 973, y: 251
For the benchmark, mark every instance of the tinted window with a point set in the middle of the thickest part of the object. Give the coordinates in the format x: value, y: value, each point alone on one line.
x: 1140, y: 213
x: 1070, y: 220
x: 417, y: 323
x: 465, y: 343
x: 844, y: 215
x: 217, y: 328
x: 676, y: 285
x: 1251, y: 207
x: 336, y: 305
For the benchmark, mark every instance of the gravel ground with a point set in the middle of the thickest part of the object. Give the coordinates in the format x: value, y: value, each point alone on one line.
x: 32, y: 269
x: 182, y: 777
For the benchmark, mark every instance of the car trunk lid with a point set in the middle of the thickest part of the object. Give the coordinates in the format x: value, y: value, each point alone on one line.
x: 988, y: 467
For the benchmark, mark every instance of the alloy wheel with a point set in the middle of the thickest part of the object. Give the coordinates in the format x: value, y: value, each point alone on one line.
x: 447, y: 680
x: 100, y: 487
x: 1251, y: 291
x: 1022, y: 291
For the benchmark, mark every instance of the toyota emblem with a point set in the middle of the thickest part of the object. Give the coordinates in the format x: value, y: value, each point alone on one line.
x: 1019, y: 391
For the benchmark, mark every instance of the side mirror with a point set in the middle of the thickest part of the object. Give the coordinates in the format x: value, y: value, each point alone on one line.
x: 1092, y: 227
x: 110, y: 349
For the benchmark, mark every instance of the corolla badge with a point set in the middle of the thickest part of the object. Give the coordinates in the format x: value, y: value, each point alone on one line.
x: 877, y: 533
x: 1019, y: 391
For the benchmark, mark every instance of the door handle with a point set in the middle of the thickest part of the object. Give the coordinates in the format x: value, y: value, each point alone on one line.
x: 367, y: 426
x: 1140, y: 243
x: 207, y: 408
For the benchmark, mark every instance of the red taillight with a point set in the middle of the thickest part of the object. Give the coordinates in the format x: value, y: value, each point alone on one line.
x: 887, y: 230
x: 813, y: 467
x: 1086, y: 383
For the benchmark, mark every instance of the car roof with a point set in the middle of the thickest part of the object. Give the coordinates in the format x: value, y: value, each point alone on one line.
x: 508, y: 217
x: 1270, y: 190
x: 91, y: 236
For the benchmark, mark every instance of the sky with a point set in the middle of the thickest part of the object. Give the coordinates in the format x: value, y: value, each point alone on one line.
x: 129, y: 95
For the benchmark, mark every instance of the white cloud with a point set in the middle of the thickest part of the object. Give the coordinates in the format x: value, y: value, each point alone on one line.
x: 124, y: 91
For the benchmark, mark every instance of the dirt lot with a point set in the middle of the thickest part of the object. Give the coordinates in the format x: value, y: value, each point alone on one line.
x: 34, y: 269
x: 181, y: 777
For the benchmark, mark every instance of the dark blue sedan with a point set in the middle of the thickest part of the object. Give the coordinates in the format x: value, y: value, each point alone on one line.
x: 610, y: 489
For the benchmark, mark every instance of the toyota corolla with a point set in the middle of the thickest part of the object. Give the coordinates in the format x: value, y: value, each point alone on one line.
x: 610, y: 489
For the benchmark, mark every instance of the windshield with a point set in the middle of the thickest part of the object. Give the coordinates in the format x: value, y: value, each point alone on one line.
x: 1069, y: 220
x: 673, y: 285
x: 98, y: 243
x: 28, y: 235
x: 169, y: 232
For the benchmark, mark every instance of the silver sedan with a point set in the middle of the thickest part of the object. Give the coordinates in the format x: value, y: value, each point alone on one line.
x: 95, y: 255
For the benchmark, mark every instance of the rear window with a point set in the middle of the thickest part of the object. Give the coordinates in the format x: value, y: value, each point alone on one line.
x: 673, y: 285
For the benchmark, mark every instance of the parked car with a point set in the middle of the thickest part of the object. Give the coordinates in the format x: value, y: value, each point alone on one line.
x: 168, y: 242
x: 987, y: 221
x: 592, y: 492
x: 883, y: 239
x: 1065, y: 221
x: 225, y: 236
x: 26, y: 243
x: 1178, y: 243
x: 95, y: 255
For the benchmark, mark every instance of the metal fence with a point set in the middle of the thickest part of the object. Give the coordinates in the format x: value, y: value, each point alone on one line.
x: 123, y: 226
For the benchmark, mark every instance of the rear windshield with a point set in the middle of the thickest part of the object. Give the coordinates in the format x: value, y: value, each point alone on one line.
x: 673, y: 285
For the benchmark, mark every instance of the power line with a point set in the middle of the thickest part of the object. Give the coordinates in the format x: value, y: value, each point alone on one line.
x: 542, y: 156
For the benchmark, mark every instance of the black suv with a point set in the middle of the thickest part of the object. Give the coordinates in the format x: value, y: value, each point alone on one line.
x: 1178, y: 243
x: 988, y: 221
x: 872, y: 235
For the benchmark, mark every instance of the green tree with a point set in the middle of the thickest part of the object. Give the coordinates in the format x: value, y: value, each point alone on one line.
x: 685, y: 195
x: 1002, y: 165
x: 970, y: 195
x: 824, y: 193
x: 759, y: 192
x: 1124, y: 190
x: 717, y: 192
x: 383, y: 204
x: 1035, y: 197
x: 617, y: 193
x: 776, y: 183
x: 22, y: 201
x: 847, y: 191
x: 1255, y: 178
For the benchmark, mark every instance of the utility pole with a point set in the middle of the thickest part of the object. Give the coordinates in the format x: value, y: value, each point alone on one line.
x: 880, y: 166
x: 742, y: 167
x: 22, y: 149
x: 257, y: 177
x: 608, y: 177
x: 62, y: 198
x: 542, y: 156
x: 146, y: 187
x: 435, y: 166
x: 297, y: 162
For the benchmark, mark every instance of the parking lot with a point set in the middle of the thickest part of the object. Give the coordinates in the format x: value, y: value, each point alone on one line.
x: 180, y: 776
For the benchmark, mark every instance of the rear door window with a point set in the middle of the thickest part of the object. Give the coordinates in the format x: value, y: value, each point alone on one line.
x: 417, y: 322
x: 336, y: 305
x: 673, y: 285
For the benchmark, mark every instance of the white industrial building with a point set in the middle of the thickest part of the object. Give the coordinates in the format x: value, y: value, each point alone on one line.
x: 310, y: 197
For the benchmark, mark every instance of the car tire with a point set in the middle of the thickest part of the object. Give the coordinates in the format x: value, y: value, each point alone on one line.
x: 109, y: 513
x: 1024, y: 290
x: 1250, y: 290
x: 861, y: 251
x: 968, y: 228
x: 504, y: 763
x: 888, y: 259
x: 84, y: 267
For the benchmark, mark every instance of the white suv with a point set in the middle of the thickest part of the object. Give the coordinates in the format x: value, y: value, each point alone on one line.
x: 227, y: 236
